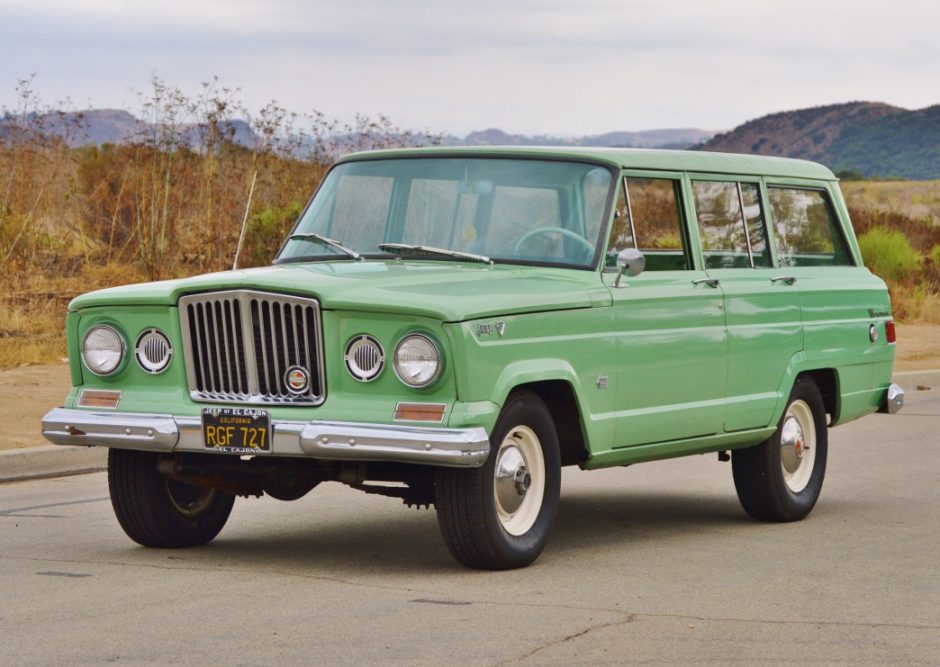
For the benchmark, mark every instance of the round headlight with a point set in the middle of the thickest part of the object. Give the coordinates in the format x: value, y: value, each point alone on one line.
x: 364, y: 358
x: 153, y: 351
x: 102, y: 350
x: 417, y: 361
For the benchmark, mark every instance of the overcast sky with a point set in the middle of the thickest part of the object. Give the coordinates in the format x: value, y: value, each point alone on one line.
x: 565, y: 68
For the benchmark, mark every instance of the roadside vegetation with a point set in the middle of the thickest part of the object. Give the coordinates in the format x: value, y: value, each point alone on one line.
x: 166, y: 205
x: 171, y: 202
x: 898, y: 228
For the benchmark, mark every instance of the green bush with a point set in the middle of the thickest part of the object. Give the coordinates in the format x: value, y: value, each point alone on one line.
x: 889, y: 254
x: 934, y: 255
x: 266, y: 231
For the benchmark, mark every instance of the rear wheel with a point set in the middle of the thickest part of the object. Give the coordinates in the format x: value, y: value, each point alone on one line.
x: 157, y: 511
x: 781, y: 478
x: 499, y: 516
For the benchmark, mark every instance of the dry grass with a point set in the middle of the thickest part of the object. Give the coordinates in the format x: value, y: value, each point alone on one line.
x: 915, y: 304
x: 32, y: 333
x: 914, y: 199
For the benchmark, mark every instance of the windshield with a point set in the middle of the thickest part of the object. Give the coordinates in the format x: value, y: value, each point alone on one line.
x: 510, y: 210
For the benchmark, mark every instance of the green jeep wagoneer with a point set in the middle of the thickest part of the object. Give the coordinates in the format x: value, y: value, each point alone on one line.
x: 452, y: 326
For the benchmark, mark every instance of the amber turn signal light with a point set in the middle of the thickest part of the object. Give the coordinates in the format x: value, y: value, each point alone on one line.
x: 420, y: 412
x: 99, y: 398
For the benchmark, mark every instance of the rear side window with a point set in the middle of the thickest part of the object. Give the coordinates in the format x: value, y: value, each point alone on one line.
x: 731, y: 224
x: 649, y: 219
x: 807, y: 232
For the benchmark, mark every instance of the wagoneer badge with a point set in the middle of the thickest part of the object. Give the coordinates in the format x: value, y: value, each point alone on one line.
x: 487, y: 329
x: 297, y: 380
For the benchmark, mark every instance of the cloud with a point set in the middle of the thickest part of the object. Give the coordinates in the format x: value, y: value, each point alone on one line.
x: 526, y: 66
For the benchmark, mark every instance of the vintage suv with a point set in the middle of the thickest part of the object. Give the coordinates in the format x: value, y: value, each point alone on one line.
x: 452, y: 326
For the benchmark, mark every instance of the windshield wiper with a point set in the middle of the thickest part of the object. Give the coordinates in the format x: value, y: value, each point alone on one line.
x: 311, y: 236
x: 431, y: 250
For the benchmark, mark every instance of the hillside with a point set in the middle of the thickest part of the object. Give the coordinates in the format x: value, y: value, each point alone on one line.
x: 874, y: 139
x: 665, y: 138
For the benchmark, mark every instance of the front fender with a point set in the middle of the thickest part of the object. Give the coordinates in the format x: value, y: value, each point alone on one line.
x: 535, y: 370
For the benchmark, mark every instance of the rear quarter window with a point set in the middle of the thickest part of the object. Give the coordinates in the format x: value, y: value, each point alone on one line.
x: 807, y: 230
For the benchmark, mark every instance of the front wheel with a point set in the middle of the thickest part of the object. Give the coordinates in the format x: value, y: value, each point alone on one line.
x: 498, y: 516
x: 781, y: 478
x: 157, y: 511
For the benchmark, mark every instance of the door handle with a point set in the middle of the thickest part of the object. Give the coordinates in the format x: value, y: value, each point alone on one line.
x: 711, y: 282
x: 789, y: 280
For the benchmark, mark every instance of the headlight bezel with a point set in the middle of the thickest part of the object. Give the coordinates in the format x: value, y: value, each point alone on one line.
x: 438, y: 371
x: 122, y: 355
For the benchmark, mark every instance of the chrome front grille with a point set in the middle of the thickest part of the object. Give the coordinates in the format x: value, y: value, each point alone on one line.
x: 239, y: 346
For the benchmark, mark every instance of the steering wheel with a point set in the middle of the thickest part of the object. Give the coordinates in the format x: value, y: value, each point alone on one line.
x: 588, y: 246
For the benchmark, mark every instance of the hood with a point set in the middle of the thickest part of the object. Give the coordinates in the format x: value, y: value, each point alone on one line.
x: 450, y: 291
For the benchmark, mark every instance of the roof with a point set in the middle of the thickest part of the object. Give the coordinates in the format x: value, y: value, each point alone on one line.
x: 632, y: 158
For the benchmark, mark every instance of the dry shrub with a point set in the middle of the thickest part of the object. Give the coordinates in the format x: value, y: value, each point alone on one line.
x: 112, y: 274
x: 915, y: 304
x: 169, y: 203
x: 902, y: 249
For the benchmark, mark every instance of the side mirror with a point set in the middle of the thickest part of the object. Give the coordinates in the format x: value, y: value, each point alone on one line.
x: 631, y: 262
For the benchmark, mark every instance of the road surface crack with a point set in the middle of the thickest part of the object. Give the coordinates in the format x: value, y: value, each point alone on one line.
x: 556, y: 642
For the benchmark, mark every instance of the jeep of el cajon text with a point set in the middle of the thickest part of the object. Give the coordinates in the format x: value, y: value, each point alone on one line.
x: 452, y: 326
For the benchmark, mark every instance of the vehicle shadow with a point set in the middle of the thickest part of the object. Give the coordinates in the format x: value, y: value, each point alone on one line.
x: 408, y: 541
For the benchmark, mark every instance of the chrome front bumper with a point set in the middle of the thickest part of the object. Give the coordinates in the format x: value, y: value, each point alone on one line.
x: 342, y: 441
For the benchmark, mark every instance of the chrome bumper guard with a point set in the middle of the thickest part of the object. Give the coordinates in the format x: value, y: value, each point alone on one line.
x: 893, y: 401
x: 339, y: 441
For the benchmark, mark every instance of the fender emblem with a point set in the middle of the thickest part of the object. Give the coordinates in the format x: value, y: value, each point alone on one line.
x: 487, y: 329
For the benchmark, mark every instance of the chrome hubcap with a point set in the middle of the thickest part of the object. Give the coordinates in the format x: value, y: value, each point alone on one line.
x: 519, y: 480
x: 512, y: 479
x: 798, y: 446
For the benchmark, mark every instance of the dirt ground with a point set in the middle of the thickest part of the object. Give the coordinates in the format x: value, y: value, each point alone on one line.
x: 26, y: 393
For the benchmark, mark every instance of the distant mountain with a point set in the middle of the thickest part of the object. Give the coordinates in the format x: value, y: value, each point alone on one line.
x: 95, y: 126
x: 114, y: 126
x: 669, y: 138
x: 871, y: 138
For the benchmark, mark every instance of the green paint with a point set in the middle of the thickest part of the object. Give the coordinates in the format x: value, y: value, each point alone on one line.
x: 659, y: 368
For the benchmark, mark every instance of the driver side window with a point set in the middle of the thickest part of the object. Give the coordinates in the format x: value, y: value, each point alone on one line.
x: 649, y: 218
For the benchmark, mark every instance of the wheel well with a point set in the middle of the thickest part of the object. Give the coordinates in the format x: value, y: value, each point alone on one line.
x: 828, y: 384
x: 560, y: 399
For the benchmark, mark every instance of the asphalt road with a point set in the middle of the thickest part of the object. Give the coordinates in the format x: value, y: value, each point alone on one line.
x: 652, y: 563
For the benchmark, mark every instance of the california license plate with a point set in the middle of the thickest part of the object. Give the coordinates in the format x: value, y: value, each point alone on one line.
x: 236, y: 430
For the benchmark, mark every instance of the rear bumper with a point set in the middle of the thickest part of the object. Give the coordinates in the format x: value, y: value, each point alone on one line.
x: 342, y: 441
x: 893, y: 400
